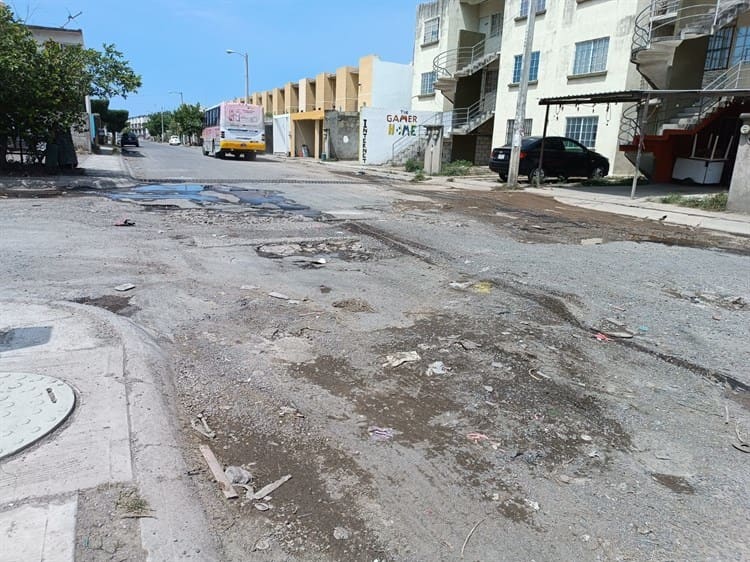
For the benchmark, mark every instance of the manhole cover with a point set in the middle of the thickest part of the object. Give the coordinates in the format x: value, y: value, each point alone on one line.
x: 31, y: 406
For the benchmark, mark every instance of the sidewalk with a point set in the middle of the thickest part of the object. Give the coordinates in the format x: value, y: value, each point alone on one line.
x: 118, y: 442
x: 617, y: 200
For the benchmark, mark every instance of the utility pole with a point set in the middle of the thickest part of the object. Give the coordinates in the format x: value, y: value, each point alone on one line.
x: 523, y: 88
x: 161, y: 113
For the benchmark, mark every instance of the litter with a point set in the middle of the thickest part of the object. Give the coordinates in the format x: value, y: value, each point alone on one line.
x: 266, y: 490
x: 620, y: 335
x: 261, y: 506
x: 213, y: 464
x: 400, y: 358
x: 601, y: 337
x: 380, y: 433
x: 341, y: 533
x: 466, y: 541
x: 125, y: 287
x: 437, y: 368
x: 586, y: 438
x: 488, y: 389
x: 468, y: 345
x: 261, y: 544
x: 125, y: 222
x: 201, y: 427
x: 457, y: 285
x: 284, y: 410
x: 592, y: 241
x: 476, y: 437
x: 237, y: 475
x: 276, y: 295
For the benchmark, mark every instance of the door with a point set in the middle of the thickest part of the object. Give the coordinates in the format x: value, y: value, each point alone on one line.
x: 576, y: 160
x: 553, y: 155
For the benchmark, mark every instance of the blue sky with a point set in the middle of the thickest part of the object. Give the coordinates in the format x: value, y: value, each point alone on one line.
x: 179, y: 45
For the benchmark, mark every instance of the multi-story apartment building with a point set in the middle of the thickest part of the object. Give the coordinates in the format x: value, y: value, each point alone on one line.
x: 468, y: 60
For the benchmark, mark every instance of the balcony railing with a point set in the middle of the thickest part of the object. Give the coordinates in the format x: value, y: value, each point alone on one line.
x: 448, y: 63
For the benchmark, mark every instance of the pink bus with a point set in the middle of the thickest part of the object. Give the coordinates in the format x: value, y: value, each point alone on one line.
x: 234, y: 128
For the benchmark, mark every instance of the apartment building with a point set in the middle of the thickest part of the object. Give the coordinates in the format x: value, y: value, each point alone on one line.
x: 322, y: 116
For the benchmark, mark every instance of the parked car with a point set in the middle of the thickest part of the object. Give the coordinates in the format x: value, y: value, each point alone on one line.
x: 129, y: 139
x: 174, y: 140
x: 563, y: 157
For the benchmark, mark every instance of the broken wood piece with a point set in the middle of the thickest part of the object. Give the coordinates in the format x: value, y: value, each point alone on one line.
x: 266, y: 490
x: 224, y: 483
x: 474, y: 528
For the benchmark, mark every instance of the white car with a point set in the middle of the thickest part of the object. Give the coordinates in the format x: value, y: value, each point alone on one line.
x: 174, y: 140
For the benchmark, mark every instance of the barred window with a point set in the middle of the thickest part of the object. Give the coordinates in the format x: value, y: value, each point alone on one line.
x: 496, y: 24
x: 582, y: 129
x: 428, y: 83
x: 719, y: 44
x: 525, y: 132
x: 591, y: 56
x: 533, y: 67
x: 431, y: 31
x: 541, y: 5
x: 741, y: 50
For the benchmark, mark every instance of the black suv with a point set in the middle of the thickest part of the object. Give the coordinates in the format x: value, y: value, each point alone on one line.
x: 129, y: 138
x: 563, y: 157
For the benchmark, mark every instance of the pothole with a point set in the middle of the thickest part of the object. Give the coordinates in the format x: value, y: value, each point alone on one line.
x: 312, y: 251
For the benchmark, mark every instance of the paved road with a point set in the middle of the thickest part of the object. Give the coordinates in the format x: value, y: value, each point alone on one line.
x: 508, y: 415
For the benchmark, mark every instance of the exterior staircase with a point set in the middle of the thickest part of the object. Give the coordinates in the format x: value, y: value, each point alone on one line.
x: 450, y: 66
x: 663, y: 26
x: 405, y: 148
x: 467, y: 119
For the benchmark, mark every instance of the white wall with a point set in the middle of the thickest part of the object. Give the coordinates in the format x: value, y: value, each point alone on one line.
x: 556, y: 32
x: 379, y: 129
x: 391, y: 84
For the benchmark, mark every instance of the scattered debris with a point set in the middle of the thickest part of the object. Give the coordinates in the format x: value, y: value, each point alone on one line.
x: 716, y: 317
x: 280, y: 296
x: 474, y: 528
x: 260, y: 506
x: 621, y: 334
x: 238, y: 475
x: 601, y: 337
x: 224, y: 483
x: 437, y: 368
x: 400, y: 358
x: 476, y: 437
x: 199, y: 424
x: 266, y: 490
x: 532, y: 504
x: 592, y: 241
x: 744, y: 447
x: 380, y: 433
x: 125, y: 222
x: 284, y: 410
x: 457, y: 285
x: 488, y: 389
x: 535, y: 374
x: 341, y: 533
x: 586, y: 438
x: 261, y: 544
x: 125, y: 287
x: 468, y: 345
x: 354, y: 305
x: 249, y: 287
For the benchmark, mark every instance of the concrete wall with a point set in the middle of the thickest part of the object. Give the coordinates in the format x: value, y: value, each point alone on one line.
x: 739, y: 190
x: 391, y: 84
x: 347, y: 78
x: 279, y: 101
x: 383, y: 128
x: 342, y: 132
x: 366, y: 79
x: 325, y: 91
x: 307, y: 94
x: 556, y: 33
x: 291, y: 97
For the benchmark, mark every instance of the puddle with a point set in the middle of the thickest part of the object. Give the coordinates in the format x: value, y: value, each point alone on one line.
x: 265, y: 202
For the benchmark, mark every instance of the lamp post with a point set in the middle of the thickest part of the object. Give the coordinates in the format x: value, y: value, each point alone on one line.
x: 182, y: 101
x: 247, y: 82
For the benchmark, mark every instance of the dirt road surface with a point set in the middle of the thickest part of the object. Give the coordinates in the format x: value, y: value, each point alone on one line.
x: 510, y: 432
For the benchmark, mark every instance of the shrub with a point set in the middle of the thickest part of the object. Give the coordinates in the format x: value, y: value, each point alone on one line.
x: 412, y: 165
x: 457, y: 168
x: 716, y: 202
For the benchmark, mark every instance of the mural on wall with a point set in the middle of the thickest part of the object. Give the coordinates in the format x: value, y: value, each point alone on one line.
x: 380, y: 129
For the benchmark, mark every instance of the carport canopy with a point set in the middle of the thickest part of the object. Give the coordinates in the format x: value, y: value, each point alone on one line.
x: 629, y: 96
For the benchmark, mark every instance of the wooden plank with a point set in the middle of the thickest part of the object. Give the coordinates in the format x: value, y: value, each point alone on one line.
x: 221, y: 478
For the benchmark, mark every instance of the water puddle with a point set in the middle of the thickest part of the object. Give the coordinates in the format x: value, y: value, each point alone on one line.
x: 262, y: 201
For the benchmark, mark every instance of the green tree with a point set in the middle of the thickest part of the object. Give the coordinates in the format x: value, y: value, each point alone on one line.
x: 114, y: 119
x: 43, y: 87
x: 154, y: 123
x: 188, y: 119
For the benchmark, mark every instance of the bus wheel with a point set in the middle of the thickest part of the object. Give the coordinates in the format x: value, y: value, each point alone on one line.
x: 219, y: 154
x: 205, y: 152
x: 250, y: 155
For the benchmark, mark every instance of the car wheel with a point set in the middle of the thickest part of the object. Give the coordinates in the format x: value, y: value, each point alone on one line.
x: 597, y: 173
x: 537, y: 172
x: 503, y: 177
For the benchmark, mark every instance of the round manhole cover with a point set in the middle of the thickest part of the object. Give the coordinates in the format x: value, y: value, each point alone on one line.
x: 31, y: 406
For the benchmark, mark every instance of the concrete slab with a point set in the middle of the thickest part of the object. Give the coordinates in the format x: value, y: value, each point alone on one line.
x: 39, y: 533
x: 31, y: 406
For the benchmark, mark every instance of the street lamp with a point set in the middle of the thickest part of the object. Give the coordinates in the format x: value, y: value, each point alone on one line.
x: 182, y: 102
x: 247, y: 82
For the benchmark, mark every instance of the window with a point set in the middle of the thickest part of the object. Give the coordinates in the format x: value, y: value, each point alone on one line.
x: 431, y: 31
x: 533, y: 67
x: 718, y: 49
x: 741, y: 51
x: 496, y: 24
x: 591, y: 56
x: 525, y: 132
x: 428, y: 84
x: 582, y: 129
x: 541, y: 5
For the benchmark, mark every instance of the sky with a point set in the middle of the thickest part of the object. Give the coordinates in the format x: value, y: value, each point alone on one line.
x: 180, y: 45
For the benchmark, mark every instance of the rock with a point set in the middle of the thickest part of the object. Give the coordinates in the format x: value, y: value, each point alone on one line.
x: 276, y: 295
x: 341, y: 533
x: 125, y: 287
x: 238, y: 475
x: 592, y: 241
x: 400, y: 358
x: 437, y: 368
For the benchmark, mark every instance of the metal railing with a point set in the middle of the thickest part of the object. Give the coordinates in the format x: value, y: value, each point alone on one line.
x: 465, y: 117
x: 669, y: 19
x: 448, y: 63
x: 406, y: 147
